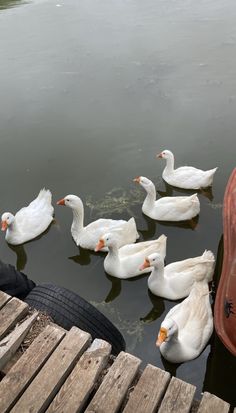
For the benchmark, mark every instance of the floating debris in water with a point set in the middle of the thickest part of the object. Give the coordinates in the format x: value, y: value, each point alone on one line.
x: 117, y: 200
x: 215, y: 206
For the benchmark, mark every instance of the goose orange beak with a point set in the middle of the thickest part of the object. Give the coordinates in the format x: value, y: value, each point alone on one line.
x: 4, y: 225
x: 159, y: 155
x: 100, y: 245
x: 137, y: 179
x: 146, y: 264
x: 161, y: 336
x: 61, y: 202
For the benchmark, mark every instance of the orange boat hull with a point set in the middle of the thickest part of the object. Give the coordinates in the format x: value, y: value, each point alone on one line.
x: 225, y: 303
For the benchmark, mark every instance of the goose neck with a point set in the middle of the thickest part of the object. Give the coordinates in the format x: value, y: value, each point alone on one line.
x: 170, y: 164
x: 150, y: 198
x: 157, y: 272
x: 78, y: 219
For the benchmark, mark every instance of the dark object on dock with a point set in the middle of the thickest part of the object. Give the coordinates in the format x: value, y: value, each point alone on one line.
x: 225, y: 304
x: 68, y: 309
x: 13, y: 282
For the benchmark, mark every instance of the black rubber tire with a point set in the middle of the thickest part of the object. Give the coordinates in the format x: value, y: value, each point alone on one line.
x: 68, y: 309
x: 13, y: 282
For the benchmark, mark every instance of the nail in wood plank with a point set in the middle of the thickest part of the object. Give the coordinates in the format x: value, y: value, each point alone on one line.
x: 46, y: 384
x: 10, y: 314
x: 79, y: 385
x: 113, y: 389
x: 4, y: 298
x: 26, y: 368
x: 178, y: 397
x: 148, y: 391
x: 10, y: 343
x: 211, y: 403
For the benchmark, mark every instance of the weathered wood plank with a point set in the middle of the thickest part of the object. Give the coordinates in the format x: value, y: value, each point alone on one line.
x: 10, y: 343
x: 211, y: 403
x: 113, y: 389
x: 26, y: 368
x: 79, y: 385
x: 178, y: 397
x: 12, y: 312
x: 4, y: 298
x: 148, y: 391
x: 46, y: 384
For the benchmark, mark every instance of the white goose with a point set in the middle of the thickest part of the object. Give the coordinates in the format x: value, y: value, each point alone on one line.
x: 176, y: 279
x: 124, y: 262
x: 176, y: 208
x: 30, y: 221
x: 186, y: 177
x: 87, y: 237
x: 187, y: 327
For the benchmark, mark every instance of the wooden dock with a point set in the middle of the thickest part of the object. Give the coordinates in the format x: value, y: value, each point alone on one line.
x: 65, y: 372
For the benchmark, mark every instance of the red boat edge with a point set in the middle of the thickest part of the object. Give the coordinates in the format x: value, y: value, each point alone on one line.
x: 225, y: 303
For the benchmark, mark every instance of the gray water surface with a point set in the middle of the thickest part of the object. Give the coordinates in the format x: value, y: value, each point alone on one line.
x: 91, y: 90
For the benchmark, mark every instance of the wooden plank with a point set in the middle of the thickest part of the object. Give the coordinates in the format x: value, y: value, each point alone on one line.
x: 46, y: 384
x: 211, y: 403
x: 10, y: 314
x: 26, y: 368
x: 178, y: 397
x: 149, y: 391
x: 10, y: 343
x: 79, y: 385
x: 4, y: 298
x: 115, y: 385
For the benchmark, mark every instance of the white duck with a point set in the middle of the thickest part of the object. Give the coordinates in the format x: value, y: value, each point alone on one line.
x: 187, y: 327
x: 176, y: 279
x: 186, y: 177
x: 30, y: 221
x: 87, y: 237
x: 124, y: 262
x: 176, y: 208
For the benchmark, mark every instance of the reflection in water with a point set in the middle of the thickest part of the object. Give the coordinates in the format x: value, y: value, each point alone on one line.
x: 7, y: 4
x: 20, y: 251
x: 170, y: 367
x: 151, y: 228
x: 84, y: 257
x: 221, y: 367
x: 190, y: 224
x: 21, y: 256
x: 169, y: 190
x: 157, y: 310
x: 115, y: 288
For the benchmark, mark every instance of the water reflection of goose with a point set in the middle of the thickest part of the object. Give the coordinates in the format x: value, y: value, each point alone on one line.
x: 170, y: 189
x: 21, y: 260
x: 158, y: 308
